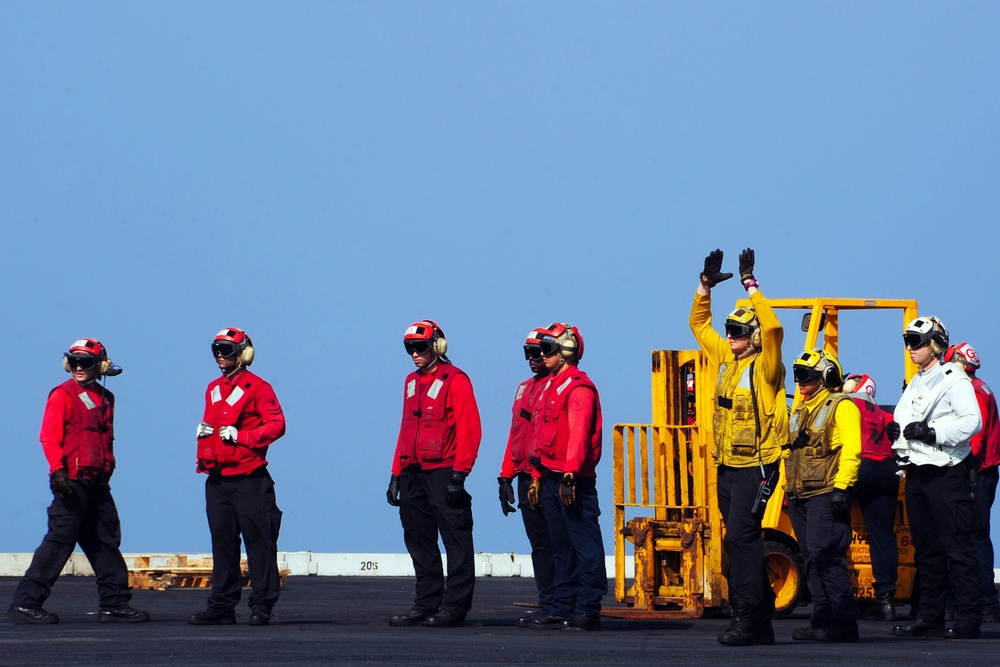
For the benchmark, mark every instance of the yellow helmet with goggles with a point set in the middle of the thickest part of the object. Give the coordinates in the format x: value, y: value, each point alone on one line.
x: 742, y: 323
x: 816, y: 364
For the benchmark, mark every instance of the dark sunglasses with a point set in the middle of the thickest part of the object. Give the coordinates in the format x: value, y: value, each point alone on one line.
x: 737, y: 330
x: 417, y: 346
x: 84, y: 363
x: 532, y: 352
x: 915, y: 341
x: 803, y: 374
x: 224, y: 349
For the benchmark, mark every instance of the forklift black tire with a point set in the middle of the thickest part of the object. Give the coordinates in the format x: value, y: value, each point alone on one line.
x: 787, y: 575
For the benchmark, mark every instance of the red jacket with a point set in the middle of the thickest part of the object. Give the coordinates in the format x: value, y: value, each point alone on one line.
x: 524, y: 413
x: 78, y: 431
x: 440, y: 426
x: 874, y: 444
x: 568, y: 435
x: 986, y: 443
x: 247, y: 402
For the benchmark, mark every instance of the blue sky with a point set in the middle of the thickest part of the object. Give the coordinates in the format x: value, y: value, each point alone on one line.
x: 322, y: 174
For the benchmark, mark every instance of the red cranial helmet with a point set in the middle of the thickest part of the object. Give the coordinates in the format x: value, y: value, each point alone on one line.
x: 88, y: 346
x: 859, y: 383
x: 233, y: 342
x: 533, y: 344
x: 964, y: 354
x: 423, y: 336
x: 564, y: 339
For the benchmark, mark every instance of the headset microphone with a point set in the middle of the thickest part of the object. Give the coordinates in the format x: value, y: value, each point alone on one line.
x: 113, y: 370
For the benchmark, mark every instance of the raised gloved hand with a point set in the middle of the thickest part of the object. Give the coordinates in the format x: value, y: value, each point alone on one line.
x: 713, y: 275
x: 919, y: 431
x: 567, y: 490
x: 840, y: 504
x: 392, y: 493
x: 60, y: 484
x: 454, y: 493
x: 229, y: 434
x: 506, y: 495
x: 746, y: 266
x: 535, y: 494
x: 892, y: 430
x: 204, y: 430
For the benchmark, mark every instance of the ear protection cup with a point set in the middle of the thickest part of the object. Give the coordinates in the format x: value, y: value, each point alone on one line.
x: 569, y: 339
x: 755, y: 341
x: 832, y: 375
x: 246, y: 355
x: 439, y: 344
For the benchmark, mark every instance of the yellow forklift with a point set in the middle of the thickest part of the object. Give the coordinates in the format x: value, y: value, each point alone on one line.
x: 666, y: 515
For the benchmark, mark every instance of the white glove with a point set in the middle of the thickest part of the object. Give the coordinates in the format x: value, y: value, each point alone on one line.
x: 228, y: 433
x: 205, y: 429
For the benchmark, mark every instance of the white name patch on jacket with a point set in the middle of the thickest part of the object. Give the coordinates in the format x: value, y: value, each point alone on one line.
x: 435, y: 389
x: 411, y: 388
x: 87, y: 400
x: 216, y: 395
x: 235, y: 396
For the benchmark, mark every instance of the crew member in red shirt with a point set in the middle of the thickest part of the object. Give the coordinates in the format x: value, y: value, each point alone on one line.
x: 877, y: 491
x: 525, y: 413
x: 436, y: 449
x: 242, y: 418
x: 77, y: 439
x: 567, y: 439
x: 986, y: 449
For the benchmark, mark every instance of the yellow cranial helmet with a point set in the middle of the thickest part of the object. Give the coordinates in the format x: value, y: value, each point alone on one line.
x: 816, y: 364
x: 742, y: 323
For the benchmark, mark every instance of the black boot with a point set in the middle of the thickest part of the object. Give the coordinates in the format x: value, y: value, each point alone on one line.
x: 740, y: 630
x: 881, y: 610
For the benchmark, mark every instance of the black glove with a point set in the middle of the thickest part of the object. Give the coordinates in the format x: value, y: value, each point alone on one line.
x: 392, y: 494
x: 801, y: 440
x: 506, y: 495
x: 746, y: 265
x: 60, y: 484
x: 567, y: 491
x: 535, y: 494
x: 840, y: 504
x: 919, y: 431
x: 454, y: 493
x: 892, y: 431
x: 712, y: 275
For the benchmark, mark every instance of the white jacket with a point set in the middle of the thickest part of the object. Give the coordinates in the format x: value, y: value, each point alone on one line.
x: 945, y: 398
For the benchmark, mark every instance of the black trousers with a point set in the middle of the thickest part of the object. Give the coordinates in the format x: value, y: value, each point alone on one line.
x: 986, y: 492
x: 88, y: 517
x: 243, y: 504
x: 877, y: 490
x: 942, y: 517
x: 824, y: 541
x: 537, y: 530
x: 425, y: 513
x: 581, y: 576
x: 747, y: 574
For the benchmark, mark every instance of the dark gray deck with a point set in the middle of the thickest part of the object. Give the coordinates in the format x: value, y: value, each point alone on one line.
x: 325, y: 620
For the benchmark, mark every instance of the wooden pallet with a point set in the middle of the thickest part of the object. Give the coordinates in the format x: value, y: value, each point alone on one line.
x: 180, y: 572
